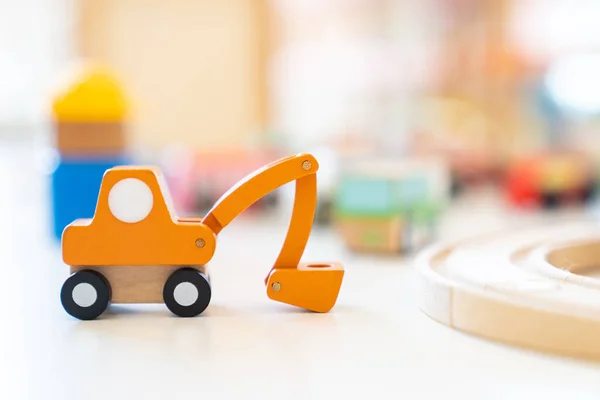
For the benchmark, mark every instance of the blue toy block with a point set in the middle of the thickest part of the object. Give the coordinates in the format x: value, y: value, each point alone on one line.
x: 75, y: 188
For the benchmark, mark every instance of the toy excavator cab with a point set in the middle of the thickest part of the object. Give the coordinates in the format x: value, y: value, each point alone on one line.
x: 134, y: 224
x: 312, y: 286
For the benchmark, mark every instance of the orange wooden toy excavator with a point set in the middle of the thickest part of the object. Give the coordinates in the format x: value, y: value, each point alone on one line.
x: 135, y: 250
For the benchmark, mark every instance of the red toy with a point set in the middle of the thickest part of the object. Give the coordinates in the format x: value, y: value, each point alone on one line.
x: 551, y: 179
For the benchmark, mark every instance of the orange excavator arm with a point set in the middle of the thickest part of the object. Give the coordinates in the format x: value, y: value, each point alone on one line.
x: 311, y: 286
x: 301, y: 168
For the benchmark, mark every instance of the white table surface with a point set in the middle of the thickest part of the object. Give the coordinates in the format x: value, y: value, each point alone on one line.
x: 375, y: 343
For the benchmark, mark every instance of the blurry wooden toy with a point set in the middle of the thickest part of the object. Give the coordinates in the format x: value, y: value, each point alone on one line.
x: 198, y: 178
x: 473, y: 112
x: 458, y: 131
x: 89, y: 114
x: 136, y: 250
x: 551, y: 179
x: 390, y: 206
x: 534, y: 288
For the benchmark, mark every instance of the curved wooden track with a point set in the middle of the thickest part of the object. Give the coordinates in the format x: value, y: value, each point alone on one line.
x: 530, y: 288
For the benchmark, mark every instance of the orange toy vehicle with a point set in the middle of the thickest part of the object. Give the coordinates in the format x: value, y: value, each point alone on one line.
x: 135, y: 250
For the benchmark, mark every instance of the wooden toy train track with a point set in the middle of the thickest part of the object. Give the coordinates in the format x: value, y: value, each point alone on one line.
x: 532, y: 288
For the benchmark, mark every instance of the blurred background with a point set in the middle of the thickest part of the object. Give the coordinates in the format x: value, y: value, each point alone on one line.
x: 413, y: 109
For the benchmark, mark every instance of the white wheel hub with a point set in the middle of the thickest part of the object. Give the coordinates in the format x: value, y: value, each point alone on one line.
x: 84, y: 294
x: 185, y: 294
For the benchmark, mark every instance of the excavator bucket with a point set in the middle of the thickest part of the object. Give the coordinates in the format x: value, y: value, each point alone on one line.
x: 314, y: 287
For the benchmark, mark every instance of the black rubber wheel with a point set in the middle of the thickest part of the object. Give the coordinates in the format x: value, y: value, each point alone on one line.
x: 85, y: 294
x: 588, y: 193
x: 551, y: 200
x: 456, y: 187
x: 187, y: 292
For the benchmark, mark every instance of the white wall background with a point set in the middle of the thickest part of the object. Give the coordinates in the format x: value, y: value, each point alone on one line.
x: 36, y: 39
x: 349, y: 66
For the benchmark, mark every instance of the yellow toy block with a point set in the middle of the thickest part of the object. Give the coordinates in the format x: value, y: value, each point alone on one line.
x: 91, y: 94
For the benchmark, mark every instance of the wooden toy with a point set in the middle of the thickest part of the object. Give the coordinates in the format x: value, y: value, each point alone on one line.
x: 551, y: 179
x: 89, y: 113
x: 534, y: 288
x: 136, y: 250
x: 474, y: 110
x: 457, y: 130
x: 389, y: 206
x: 79, y: 138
